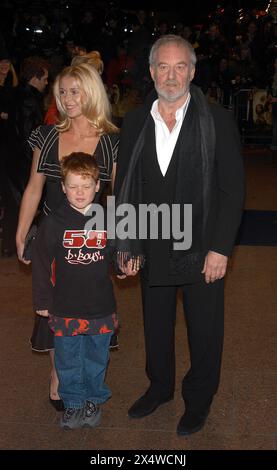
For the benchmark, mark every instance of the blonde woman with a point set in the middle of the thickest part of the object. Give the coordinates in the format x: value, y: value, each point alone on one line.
x: 84, y: 126
x: 92, y: 58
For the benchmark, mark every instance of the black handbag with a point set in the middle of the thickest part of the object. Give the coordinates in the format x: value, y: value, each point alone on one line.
x: 31, y: 235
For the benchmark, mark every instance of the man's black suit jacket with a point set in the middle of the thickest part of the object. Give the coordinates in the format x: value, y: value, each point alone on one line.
x: 228, y: 175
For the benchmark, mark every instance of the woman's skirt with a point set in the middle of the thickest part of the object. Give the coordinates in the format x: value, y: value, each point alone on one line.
x: 42, y: 339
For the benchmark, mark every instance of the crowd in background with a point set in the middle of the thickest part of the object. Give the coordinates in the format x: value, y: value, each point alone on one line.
x: 235, y: 51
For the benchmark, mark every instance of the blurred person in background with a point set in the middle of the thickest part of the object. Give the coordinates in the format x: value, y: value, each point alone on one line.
x: 272, y: 96
x: 9, y: 161
x: 30, y: 107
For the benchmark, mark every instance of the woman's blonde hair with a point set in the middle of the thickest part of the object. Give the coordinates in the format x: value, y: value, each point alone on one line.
x: 91, y: 58
x: 95, y: 103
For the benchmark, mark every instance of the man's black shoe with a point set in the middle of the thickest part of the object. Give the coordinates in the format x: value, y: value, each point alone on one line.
x: 191, y: 422
x: 146, y: 404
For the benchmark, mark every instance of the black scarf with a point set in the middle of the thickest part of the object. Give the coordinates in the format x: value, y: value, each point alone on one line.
x: 131, y: 189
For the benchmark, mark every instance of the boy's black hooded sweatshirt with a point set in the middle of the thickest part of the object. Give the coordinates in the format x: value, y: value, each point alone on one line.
x: 70, y: 267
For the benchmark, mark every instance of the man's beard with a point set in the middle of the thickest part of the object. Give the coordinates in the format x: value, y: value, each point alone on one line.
x: 169, y: 96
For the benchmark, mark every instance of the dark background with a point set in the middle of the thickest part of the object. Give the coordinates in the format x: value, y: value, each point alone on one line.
x: 192, y: 10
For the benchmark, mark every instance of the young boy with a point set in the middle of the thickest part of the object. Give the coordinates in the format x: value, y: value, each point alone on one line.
x: 72, y: 285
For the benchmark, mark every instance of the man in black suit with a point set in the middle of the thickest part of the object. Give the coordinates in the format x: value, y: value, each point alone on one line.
x: 182, y: 150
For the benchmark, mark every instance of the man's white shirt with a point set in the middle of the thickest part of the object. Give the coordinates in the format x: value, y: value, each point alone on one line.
x: 166, y: 140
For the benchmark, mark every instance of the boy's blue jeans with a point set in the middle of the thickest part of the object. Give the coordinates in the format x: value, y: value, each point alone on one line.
x: 81, y: 363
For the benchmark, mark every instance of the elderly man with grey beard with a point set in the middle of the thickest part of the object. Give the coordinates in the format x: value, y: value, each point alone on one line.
x: 181, y: 149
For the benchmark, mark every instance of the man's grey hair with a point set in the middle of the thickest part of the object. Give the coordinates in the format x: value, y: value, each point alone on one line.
x: 171, y: 38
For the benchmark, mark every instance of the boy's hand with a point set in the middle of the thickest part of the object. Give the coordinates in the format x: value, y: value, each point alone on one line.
x: 43, y: 313
x: 130, y: 269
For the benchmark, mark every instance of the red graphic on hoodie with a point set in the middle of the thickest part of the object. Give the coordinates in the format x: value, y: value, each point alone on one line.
x: 80, y: 326
x: 104, y: 329
x: 83, y: 327
x: 80, y: 238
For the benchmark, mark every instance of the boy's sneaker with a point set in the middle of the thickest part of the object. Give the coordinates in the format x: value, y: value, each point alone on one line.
x: 114, y: 342
x: 91, y: 415
x: 71, y: 418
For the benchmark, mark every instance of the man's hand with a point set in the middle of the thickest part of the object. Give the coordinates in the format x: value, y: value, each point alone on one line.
x: 43, y: 313
x: 215, y: 266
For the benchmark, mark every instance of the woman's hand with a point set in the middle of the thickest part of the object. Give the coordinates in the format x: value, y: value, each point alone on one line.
x: 20, y: 251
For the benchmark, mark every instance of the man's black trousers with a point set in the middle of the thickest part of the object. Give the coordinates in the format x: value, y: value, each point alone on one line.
x: 204, y: 313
